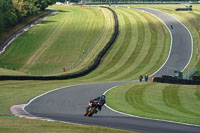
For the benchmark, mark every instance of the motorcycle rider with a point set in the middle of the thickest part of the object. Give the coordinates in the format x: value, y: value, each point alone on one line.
x: 102, y: 101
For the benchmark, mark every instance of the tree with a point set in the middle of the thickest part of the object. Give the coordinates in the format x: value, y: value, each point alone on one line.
x: 31, y: 7
x: 19, y: 6
x: 11, y: 11
x: 42, y: 4
x: 8, y: 15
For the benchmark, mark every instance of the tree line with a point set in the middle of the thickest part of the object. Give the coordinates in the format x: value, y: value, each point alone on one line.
x: 12, y: 11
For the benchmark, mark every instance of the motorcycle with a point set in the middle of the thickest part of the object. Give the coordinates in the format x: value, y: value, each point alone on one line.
x: 92, y: 108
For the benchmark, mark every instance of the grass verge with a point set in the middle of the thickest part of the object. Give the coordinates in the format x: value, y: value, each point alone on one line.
x: 147, y: 100
x: 37, y: 126
x: 191, y: 20
x: 15, y: 92
x: 47, y: 48
x: 178, y: 103
x: 141, y: 48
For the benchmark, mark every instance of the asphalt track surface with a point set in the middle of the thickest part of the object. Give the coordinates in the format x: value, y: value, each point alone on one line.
x: 68, y: 103
x: 181, y: 44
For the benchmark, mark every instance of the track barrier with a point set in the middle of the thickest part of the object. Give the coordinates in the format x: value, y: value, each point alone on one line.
x: 80, y: 73
x: 174, y: 80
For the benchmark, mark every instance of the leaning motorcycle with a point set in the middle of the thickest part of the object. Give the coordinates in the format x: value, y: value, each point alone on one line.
x: 92, y: 108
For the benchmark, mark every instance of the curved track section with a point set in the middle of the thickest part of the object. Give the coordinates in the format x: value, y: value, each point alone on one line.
x: 68, y: 104
x: 181, y: 44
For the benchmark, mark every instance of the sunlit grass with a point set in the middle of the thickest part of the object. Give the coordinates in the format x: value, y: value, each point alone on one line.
x: 36, y: 126
x: 141, y: 47
x: 191, y: 20
x: 59, y: 41
x: 160, y: 101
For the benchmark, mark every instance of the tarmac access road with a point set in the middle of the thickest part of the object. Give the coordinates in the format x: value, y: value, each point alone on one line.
x: 68, y: 104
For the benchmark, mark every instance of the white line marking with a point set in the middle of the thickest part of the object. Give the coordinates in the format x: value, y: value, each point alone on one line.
x: 191, y: 39
x: 145, y: 117
x: 65, y: 87
x: 116, y: 86
x: 170, y: 44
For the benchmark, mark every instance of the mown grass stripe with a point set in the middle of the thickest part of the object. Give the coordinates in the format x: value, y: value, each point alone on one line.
x: 86, y: 13
x: 135, y: 97
x: 188, y: 99
x: 125, y: 58
x: 135, y: 45
x: 145, y: 46
x: 149, y: 54
x: 123, y: 47
x: 38, y: 54
x: 28, y: 48
x: 109, y: 29
x: 70, y: 40
x: 162, y: 50
x: 172, y: 99
x: 20, y: 45
x: 122, y: 44
x: 198, y: 92
x: 153, y: 96
x: 142, y: 53
x: 144, y: 99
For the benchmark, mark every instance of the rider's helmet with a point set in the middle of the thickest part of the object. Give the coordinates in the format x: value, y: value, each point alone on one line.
x: 103, y: 96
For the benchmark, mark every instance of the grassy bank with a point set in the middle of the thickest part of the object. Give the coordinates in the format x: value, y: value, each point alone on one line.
x: 8, y: 32
x: 37, y: 126
x: 129, y: 52
x: 48, y: 47
x: 141, y: 48
x: 191, y: 20
x: 163, y: 101
x: 142, y: 44
x: 15, y: 92
x: 160, y: 101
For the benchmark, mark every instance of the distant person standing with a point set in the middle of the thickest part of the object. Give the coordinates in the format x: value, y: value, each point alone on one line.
x: 140, y: 78
x: 172, y: 27
x: 146, y: 77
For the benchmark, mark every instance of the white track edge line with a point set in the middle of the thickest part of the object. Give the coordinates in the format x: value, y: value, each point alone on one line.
x: 145, y: 117
x: 47, y: 119
x: 191, y: 38
x: 167, y: 29
x: 23, y: 108
x: 170, y: 44
x: 64, y: 87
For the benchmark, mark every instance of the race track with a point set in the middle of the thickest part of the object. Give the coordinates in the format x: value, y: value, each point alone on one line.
x: 181, y: 44
x: 68, y: 104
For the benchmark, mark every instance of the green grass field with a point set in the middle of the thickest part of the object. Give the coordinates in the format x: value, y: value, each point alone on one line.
x: 37, y: 126
x: 131, y: 46
x: 179, y: 103
x: 59, y: 41
x: 136, y: 51
x: 164, y: 101
x: 8, y: 32
x: 191, y: 20
x: 15, y: 92
x: 141, y: 48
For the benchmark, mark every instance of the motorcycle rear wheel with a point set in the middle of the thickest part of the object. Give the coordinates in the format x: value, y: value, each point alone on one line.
x: 91, y: 112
